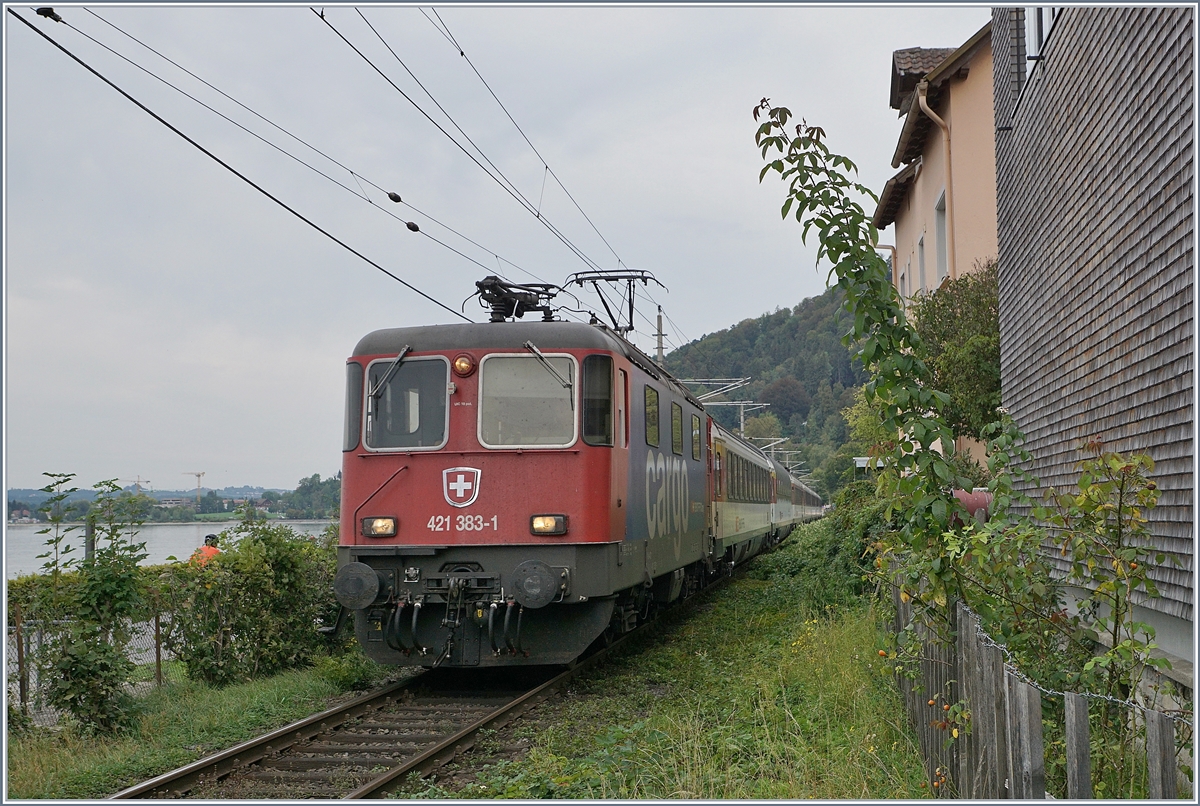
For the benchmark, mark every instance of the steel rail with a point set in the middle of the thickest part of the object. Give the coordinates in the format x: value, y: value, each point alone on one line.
x: 463, y: 740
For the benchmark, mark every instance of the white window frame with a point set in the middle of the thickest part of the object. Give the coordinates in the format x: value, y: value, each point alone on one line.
x: 575, y: 404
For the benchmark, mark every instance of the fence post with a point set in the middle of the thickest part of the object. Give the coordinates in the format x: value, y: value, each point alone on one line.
x: 1160, y: 756
x: 1027, y: 761
x: 22, y: 672
x: 157, y: 647
x: 964, y: 778
x: 1079, y: 761
x: 995, y: 739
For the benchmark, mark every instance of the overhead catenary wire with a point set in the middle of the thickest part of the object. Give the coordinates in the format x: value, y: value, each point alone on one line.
x: 445, y: 30
x: 233, y: 170
x: 507, y: 183
x: 502, y: 182
x: 357, y: 176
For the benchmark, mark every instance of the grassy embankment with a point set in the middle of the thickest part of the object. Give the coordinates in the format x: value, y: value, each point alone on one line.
x: 179, y: 723
x: 770, y: 688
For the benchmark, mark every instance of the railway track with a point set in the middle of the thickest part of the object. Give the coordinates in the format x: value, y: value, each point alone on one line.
x: 368, y: 746
x: 363, y: 748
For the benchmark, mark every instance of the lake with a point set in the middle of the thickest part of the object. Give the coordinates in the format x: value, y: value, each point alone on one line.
x: 22, y: 543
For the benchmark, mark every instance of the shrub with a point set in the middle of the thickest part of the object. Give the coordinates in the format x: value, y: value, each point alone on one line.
x: 254, y: 608
x: 87, y: 621
x: 349, y: 671
x: 828, y: 556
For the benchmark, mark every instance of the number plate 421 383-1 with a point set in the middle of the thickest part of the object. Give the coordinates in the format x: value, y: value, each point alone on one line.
x: 462, y: 523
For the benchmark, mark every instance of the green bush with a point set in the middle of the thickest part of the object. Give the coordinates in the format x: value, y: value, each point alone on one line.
x: 828, y: 556
x: 349, y: 671
x: 252, y: 610
x: 85, y: 609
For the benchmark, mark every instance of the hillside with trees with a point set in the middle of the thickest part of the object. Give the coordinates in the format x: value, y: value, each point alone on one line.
x: 798, y: 365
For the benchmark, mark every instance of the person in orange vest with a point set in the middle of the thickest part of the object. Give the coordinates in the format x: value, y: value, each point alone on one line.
x: 206, y: 552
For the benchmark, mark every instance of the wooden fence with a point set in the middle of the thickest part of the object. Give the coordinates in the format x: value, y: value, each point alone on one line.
x: 1001, y: 755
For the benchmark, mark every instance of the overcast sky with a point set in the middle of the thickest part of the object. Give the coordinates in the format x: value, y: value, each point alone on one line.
x: 161, y: 316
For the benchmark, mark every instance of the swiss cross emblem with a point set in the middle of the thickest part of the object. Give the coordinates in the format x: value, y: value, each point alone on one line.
x: 461, y: 485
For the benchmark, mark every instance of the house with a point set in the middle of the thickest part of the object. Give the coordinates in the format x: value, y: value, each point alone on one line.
x: 942, y: 203
x: 1094, y: 145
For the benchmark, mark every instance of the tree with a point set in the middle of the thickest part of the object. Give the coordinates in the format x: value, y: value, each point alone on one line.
x: 959, y: 326
x: 313, y: 498
x: 764, y: 426
x: 211, y: 502
x: 787, y: 397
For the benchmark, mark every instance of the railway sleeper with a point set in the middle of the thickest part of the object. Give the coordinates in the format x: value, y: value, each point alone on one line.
x: 345, y: 775
x: 382, y: 744
x: 424, y: 726
x: 393, y: 738
x: 293, y: 763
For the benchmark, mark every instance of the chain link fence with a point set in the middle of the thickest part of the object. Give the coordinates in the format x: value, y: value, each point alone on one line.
x: 155, y: 666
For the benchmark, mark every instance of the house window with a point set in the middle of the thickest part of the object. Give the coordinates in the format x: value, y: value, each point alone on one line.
x: 1039, y: 20
x: 939, y: 214
x: 921, y: 263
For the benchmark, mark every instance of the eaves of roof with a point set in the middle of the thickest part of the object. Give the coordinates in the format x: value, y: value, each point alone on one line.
x: 893, y: 196
x: 916, y: 124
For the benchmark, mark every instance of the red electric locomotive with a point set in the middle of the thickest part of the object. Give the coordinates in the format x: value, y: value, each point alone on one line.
x: 511, y: 492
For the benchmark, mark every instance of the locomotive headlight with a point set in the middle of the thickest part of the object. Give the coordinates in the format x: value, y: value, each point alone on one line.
x: 548, y: 524
x: 464, y: 365
x: 379, y: 527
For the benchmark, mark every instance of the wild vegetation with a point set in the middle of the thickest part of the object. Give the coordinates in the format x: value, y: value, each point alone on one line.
x: 935, y: 555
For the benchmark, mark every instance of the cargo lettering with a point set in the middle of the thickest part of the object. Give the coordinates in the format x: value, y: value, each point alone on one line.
x: 668, y: 499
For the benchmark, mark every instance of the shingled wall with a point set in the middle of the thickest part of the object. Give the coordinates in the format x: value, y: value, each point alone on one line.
x: 1095, y: 208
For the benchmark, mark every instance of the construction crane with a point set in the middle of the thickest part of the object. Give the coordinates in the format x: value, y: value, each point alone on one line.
x: 137, y: 483
x: 199, y: 475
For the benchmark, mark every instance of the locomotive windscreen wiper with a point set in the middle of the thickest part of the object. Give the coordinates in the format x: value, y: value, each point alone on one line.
x: 550, y: 368
x: 377, y: 389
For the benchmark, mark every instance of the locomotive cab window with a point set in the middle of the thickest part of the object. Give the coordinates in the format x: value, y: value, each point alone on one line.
x: 408, y: 409
x: 651, y: 416
x: 598, y: 400
x: 354, y: 393
x: 677, y: 429
x: 523, y: 404
x: 695, y: 437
